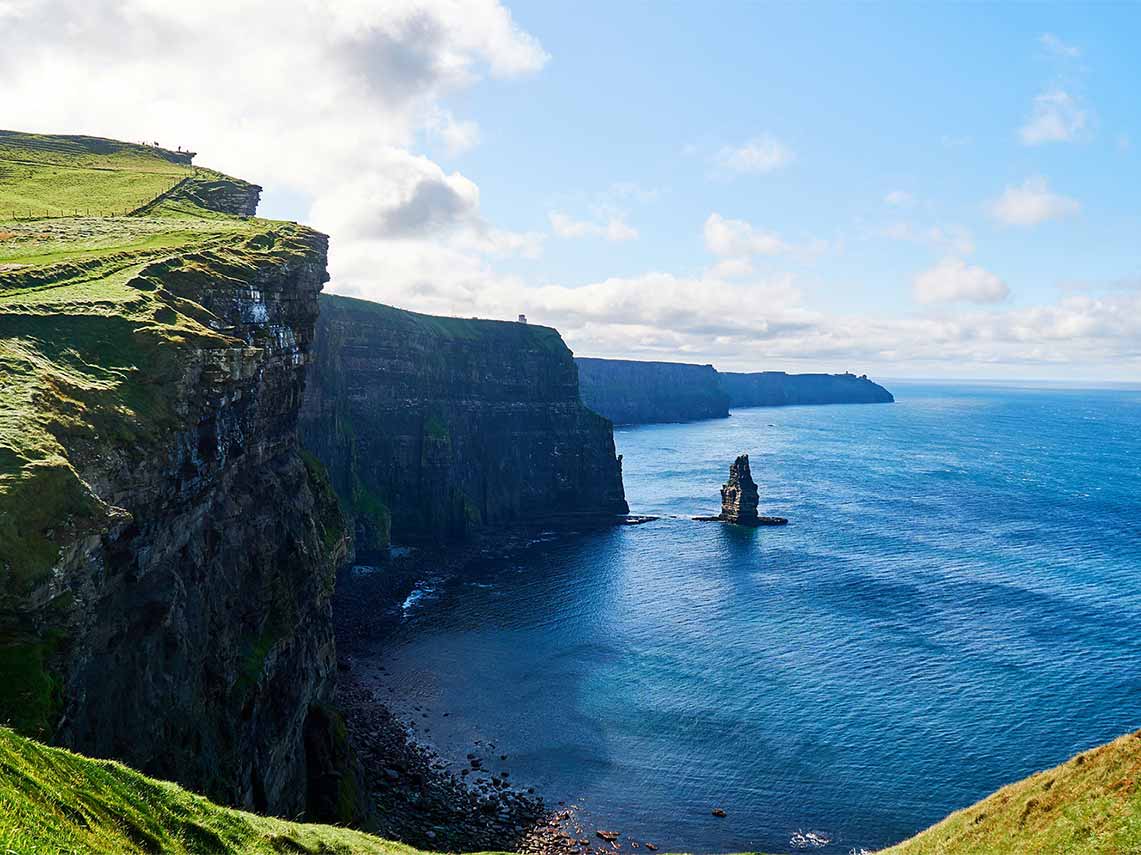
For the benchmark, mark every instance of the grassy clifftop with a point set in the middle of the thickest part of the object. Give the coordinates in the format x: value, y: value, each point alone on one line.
x: 42, y: 175
x: 97, y: 317
x: 475, y: 330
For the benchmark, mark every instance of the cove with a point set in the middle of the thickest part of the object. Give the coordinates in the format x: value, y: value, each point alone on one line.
x: 953, y: 606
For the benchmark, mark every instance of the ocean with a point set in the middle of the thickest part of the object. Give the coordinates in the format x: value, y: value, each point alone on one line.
x: 955, y: 603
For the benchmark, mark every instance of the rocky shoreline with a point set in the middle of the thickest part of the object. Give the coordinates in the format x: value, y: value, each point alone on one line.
x: 419, y: 798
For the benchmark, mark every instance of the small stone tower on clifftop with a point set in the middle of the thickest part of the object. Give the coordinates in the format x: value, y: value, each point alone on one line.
x: 739, y: 497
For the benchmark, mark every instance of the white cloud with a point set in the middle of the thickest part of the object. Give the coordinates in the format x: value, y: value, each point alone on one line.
x: 737, y: 321
x: 323, y: 107
x: 1056, y: 46
x: 759, y: 155
x: 1056, y: 117
x: 618, y: 230
x: 727, y: 237
x: 899, y: 199
x: 458, y: 135
x: 613, y: 228
x: 953, y: 280
x: 954, y: 238
x: 1032, y: 203
x: 731, y: 268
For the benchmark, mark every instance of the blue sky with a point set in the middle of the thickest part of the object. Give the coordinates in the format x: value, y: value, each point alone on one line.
x: 903, y: 189
x: 870, y: 98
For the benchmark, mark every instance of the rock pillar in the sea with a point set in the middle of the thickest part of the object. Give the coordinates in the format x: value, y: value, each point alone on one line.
x: 739, y: 497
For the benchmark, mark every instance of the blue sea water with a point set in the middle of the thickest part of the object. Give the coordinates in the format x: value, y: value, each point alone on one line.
x: 956, y: 603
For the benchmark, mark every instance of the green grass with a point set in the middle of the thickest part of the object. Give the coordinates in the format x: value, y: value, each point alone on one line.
x: 22, y: 661
x: 52, y: 176
x: 54, y: 802
x: 1090, y: 805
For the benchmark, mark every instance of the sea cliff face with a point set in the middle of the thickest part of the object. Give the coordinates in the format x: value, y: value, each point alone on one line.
x: 433, y: 426
x: 167, y: 555
x: 775, y: 389
x: 632, y: 392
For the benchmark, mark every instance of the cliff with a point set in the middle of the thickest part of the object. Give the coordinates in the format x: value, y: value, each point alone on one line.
x: 631, y: 392
x: 430, y: 426
x: 775, y: 389
x: 167, y: 556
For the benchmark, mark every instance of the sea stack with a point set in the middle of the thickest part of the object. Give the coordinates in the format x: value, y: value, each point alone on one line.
x: 739, y: 497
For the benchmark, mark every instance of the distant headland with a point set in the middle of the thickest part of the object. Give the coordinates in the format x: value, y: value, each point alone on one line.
x: 628, y: 391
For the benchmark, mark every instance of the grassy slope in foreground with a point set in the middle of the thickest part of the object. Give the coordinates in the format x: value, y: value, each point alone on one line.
x: 53, y: 801
x: 97, y: 318
x: 1089, y: 804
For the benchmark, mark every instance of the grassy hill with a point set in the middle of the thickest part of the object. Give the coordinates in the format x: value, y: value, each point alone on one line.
x: 1089, y: 804
x: 97, y: 314
x: 53, y: 801
x: 67, y: 176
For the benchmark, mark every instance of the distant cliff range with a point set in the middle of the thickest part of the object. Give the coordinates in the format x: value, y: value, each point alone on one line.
x: 629, y: 392
x: 777, y: 389
x: 633, y: 392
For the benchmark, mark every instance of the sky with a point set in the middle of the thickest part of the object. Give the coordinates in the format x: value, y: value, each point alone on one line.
x: 906, y: 190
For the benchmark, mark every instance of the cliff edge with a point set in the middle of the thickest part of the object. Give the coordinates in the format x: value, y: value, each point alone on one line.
x: 627, y: 391
x: 432, y: 426
x: 166, y: 554
x: 778, y: 389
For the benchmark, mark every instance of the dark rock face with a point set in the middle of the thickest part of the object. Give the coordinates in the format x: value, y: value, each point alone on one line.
x: 739, y: 497
x: 430, y: 426
x: 775, y: 389
x: 632, y: 392
x: 230, y: 197
x: 192, y: 637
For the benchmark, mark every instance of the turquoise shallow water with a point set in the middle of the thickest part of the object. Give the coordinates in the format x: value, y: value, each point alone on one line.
x: 956, y: 603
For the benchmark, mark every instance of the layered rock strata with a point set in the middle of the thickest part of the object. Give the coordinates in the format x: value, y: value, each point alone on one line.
x: 739, y: 495
x: 432, y: 426
x: 632, y: 392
